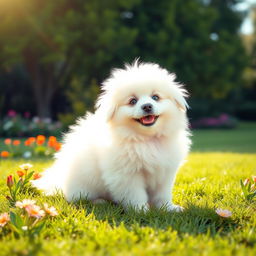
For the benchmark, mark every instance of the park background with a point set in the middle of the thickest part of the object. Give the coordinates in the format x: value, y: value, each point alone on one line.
x: 54, y: 56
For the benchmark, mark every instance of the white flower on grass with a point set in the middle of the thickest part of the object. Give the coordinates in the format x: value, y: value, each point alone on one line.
x: 26, y: 166
x: 223, y: 213
x: 27, y: 154
x: 25, y: 203
x: 25, y: 228
x: 50, y: 210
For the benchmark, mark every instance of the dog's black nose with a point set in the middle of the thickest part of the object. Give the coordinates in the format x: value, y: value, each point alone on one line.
x: 147, y: 107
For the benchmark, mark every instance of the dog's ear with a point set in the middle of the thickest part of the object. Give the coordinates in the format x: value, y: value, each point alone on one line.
x: 181, y: 102
x: 179, y: 94
x: 105, y: 106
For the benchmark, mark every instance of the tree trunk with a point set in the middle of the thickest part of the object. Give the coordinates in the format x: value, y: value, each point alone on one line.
x: 43, y: 82
x: 45, y: 78
x: 43, y: 98
x: 44, y: 88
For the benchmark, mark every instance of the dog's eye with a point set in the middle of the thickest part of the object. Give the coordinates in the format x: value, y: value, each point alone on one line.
x: 155, y: 97
x: 133, y: 101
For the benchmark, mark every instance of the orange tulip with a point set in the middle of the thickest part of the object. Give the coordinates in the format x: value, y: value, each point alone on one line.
x: 20, y: 173
x: 40, y: 139
x: 57, y: 146
x: 16, y: 142
x: 7, y: 141
x: 27, y: 142
x: 52, y: 141
x: 32, y: 139
x: 52, y: 138
x: 51, y: 144
x: 5, y: 154
x: 37, y: 176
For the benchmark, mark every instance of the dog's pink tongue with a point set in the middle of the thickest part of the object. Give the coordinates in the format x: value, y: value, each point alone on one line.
x: 148, y: 119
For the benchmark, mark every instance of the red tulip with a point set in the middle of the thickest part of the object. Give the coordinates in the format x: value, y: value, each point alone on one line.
x: 10, y: 181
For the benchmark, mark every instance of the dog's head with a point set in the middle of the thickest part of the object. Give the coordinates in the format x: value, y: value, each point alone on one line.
x: 143, y: 99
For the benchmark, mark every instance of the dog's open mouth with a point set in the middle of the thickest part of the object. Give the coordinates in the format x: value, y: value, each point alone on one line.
x: 147, y: 120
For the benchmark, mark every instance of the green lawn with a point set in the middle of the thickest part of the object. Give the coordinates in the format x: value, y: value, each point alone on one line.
x: 241, y: 139
x: 208, y: 180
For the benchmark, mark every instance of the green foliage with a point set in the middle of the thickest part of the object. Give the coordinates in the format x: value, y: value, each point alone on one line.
x: 201, y: 45
x: 249, y: 188
x: 14, y: 85
x: 56, y: 40
x: 247, y: 100
x: 81, y: 100
x: 60, y: 41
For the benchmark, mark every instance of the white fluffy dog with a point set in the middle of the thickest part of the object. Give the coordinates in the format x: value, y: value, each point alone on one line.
x: 130, y: 150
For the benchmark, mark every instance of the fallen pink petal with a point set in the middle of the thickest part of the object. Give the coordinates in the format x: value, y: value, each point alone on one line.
x: 35, y: 211
x: 223, y: 213
x: 50, y: 210
x: 25, y: 203
x: 4, y: 219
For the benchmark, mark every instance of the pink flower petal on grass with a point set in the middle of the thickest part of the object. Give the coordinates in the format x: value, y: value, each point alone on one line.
x: 35, y: 211
x: 4, y: 218
x: 25, y: 203
x: 223, y: 213
x: 50, y: 210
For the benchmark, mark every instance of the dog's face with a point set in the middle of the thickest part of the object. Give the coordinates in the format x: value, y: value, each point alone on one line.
x: 144, y: 109
x: 144, y: 100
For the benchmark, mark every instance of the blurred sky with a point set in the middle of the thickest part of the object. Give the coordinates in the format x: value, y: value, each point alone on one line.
x: 247, y: 26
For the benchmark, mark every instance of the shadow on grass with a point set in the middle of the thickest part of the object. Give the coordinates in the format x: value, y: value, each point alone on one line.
x: 194, y: 220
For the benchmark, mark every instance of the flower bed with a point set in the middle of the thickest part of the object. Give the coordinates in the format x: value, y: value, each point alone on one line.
x: 16, y: 125
x: 38, y: 146
x: 223, y: 121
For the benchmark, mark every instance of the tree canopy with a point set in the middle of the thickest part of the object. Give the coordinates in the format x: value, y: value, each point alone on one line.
x: 57, y: 41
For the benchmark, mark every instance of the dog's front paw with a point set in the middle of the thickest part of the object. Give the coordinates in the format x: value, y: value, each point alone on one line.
x: 137, y: 207
x: 99, y: 201
x: 175, y: 208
